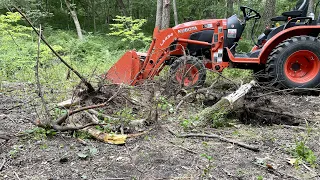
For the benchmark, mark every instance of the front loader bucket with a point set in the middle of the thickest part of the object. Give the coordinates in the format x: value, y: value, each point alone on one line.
x: 125, y: 70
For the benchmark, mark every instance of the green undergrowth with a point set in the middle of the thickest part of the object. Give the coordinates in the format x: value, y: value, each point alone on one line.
x: 91, y: 57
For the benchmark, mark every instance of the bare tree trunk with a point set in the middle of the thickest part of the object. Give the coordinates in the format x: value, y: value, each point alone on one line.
x: 159, y: 13
x: 94, y: 16
x: 175, y: 12
x: 269, y: 12
x: 229, y: 11
x: 122, y: 8
x: 75, y: 19
x: 311, y: 7
x: 165, y: 14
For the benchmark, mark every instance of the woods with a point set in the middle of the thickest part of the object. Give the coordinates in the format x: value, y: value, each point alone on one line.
x: 89, y: 91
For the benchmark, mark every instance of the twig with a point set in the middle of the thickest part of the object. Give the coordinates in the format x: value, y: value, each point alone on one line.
x: 296, y: 127
x: 304, y: 165
x: 82, y: 141
x: 37, y: 77
x: 139, y: 134
x: 93, y: 118
x: 73, y: 128
x: 255, y: 149
x: 16, y: 175
x: 194, y: 93
x: 4, y: 162
x: 181, y: 147
x: 89, y: 86
x: 102, y: 115
x: 315, y: 176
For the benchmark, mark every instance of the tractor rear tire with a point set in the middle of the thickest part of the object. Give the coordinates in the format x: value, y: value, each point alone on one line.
x: 188, y: 71
x: 295, y: 63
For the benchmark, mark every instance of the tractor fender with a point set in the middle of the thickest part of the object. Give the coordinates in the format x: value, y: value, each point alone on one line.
x: 285, y: 34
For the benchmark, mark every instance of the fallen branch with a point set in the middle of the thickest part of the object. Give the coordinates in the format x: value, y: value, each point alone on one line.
x: 252, y: 148
x: 181, y: 147
x: 199, y: 91
x: 89, y: 86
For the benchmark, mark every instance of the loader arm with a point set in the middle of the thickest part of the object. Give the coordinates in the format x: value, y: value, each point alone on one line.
x: 132, y: 67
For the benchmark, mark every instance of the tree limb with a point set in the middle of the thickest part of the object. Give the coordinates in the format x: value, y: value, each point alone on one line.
x: 89, y: 86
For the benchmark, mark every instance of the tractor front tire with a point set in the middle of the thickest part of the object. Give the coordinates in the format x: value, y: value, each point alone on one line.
x: 188, y: 71
x: 295, y: 63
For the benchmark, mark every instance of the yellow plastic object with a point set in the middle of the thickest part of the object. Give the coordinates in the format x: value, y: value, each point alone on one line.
x: 115, y: 139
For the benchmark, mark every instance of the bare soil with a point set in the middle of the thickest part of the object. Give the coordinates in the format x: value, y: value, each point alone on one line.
x: 159, y: 154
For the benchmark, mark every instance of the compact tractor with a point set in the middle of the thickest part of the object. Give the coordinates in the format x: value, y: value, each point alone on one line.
x: 286, y: 56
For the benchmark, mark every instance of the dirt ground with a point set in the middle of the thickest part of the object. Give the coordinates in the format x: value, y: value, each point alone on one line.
x: 158, y: 154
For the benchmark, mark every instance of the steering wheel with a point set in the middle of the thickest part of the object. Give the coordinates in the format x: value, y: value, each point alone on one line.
x: 247, y: 13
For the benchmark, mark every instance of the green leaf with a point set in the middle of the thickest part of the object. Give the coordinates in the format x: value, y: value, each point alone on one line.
x: 93, y: 151
x: 82, y: 155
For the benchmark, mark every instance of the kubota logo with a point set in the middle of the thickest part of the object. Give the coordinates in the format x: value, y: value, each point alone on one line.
x: 163, y: 41
x: 194, y: 28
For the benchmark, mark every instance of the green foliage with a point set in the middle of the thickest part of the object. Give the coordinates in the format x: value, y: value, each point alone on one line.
x: 87, y: 152
x: 164, y: 104
x: 59, y: 112
x: 304, y: 153
x: 41, y: 133
x: 209, y: 166
x: 219, y: 119
x: 238, y: 74
x: 189, y: 123
x: 81, y: 135
x: 13, y: 153
x: 126, y: 113
x: 260, y: 177
x: 129, y: 30
x: 9, y: 26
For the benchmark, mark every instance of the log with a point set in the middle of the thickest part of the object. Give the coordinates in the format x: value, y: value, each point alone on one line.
x: 225, y: 105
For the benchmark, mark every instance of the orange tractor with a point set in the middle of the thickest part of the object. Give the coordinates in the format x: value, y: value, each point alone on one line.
x: 287, y: 56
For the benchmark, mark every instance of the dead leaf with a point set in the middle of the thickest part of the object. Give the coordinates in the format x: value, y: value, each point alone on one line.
x: 269, y: 166
x: 292, y: 161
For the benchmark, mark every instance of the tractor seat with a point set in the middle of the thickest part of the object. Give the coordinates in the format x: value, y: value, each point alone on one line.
x: 300, y: 10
